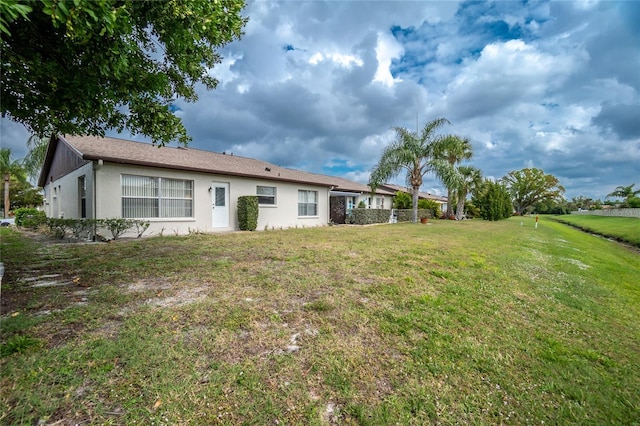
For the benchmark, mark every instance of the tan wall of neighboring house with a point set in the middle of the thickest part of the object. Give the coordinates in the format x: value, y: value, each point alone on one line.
x: 283, y: 215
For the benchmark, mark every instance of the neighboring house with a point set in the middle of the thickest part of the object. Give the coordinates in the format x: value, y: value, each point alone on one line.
x: 421, y: 195
x: 177, y: 190
x: 347, y: 195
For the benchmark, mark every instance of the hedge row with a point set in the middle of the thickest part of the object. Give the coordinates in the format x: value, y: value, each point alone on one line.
x: 79, y: 228
x: 406, y: 215
x: 368, y: 216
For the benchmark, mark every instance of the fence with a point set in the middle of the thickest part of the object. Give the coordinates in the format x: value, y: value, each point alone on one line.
x: 610, y: 212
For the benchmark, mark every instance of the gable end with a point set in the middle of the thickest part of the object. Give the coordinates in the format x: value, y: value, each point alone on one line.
x: 61, y: 159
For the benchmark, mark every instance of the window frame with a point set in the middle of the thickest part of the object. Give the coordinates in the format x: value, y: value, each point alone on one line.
x: 379, y: 202
x: 82, y: 196
x: 273, y: 196
x: 304, y: 204
x: 161, y: 197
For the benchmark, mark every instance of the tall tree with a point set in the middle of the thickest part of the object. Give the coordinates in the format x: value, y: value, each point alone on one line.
x: 452, y: 149
x: 625, y: 192
x: 531, y: 185
x: 411, y: 152
x: 9, y: 168
x: 580, y: 202
x: 23, y: 194
x: 493, y: 200
x: 86, y: 66
x: 470, y: 178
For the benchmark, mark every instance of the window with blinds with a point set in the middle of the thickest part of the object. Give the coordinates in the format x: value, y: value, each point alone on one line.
x: 266, y: 195
x: 145, y: 197
x: 307, y: 203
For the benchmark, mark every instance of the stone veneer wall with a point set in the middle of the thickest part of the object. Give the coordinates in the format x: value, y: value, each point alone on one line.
x: 611, y: 212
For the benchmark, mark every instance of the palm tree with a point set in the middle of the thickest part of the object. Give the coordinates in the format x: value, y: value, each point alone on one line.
x: 9, y: 168
x: 452, y: 149
x: 469, y: 179
x: 625, y: 192
x: 411, y: 151
x: 34, y: 159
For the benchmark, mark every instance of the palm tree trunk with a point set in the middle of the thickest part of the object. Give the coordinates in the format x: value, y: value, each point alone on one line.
x: 416, y: 189
x: 7, y: 179
x: 449, y: 204
x: 460, y: 208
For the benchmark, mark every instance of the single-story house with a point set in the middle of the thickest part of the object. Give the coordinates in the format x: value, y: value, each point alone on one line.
x: 177, y: 190
x: 347, y: 195
x: 421, y: 195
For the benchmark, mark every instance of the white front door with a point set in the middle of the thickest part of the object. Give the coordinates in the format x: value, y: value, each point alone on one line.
x: 220, y: 204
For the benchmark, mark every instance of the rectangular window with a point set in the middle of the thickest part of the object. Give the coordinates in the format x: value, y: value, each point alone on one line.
x: 82, y: 196
x: 379, y: 202
x: 266, y: 195
x: 351, y: 203
x: 145, y: 197
x: 307, y: 203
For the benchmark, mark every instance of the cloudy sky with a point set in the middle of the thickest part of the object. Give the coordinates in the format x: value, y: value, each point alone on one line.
x: 319, y: 86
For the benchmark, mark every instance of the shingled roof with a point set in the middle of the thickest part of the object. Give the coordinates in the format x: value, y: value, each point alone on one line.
x: 346, y: 185
x: 423, y: 195
x: 145, y: 154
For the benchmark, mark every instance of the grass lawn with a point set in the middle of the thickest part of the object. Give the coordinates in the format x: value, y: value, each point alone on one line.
x: 625, y: 229
x: 467, y: 322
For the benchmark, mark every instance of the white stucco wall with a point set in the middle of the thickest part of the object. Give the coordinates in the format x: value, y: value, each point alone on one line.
x: 283, y: 215
x: 61, y: 197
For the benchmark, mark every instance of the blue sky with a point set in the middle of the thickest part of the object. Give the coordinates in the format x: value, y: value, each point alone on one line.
x: 319, y: 86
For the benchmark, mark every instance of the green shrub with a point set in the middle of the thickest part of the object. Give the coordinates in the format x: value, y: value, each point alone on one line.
x: 471, y: 210
x: 117, y: 226
x: 141, y: 226
x: 634, y: 202
x: 493, y: 201
x: 368, y: 216
x: 58, y: 227
x: 429, y: 205
x: 79, y: 226
x: 406, y: 215
x: 362, y: 205
x: 560, y: 210
x: 402, y: 200
x: 29, y: 217
x: 248, y: 212
x: 61, y: 228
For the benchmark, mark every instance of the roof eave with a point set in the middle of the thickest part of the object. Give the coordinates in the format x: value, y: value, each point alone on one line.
x: 48, y: 158
x: 199, y: 170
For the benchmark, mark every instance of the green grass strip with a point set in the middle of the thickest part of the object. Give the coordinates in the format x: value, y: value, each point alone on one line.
x: 626, y: 229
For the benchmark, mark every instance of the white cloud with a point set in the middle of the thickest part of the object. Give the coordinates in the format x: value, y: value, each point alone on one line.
x: 504, y: 75
x: 586, y: 4
x: 222, y: 72
x: 358, y: 176
x: 386, y: 50
x: 546, y: 84
x: 316, y: 58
